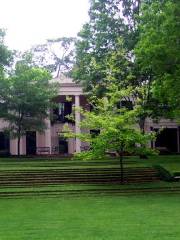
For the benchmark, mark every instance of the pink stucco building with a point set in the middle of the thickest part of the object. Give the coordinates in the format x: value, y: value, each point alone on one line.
x: 50, y: 142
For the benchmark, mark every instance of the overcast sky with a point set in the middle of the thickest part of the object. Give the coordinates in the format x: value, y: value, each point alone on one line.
x: 31, y: 22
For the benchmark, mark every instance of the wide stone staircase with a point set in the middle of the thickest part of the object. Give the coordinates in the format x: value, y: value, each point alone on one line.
x: 55, y: 178
x: 25, y: 178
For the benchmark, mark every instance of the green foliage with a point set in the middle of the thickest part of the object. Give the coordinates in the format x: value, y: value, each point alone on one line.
x: 25, y: 98
x: 105, y: 56
x: 158, y: 50
x: 118, y: 130
x: 5, y: 54
x: 134, y: 44
x: 97, y: 41
x: 164, y: 174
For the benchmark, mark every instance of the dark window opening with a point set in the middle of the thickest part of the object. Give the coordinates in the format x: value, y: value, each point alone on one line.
x: 167, y: 139
x: 4, y: 144
x: 30, y: 143
x: 60, y: 114
x: 63, y: 146
x: 91, y: 108
x: 94, y: 132
x: 126, y: 104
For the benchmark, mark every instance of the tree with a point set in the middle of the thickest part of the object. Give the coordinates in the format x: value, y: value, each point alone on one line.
x: 110, y: 21
x: 5, y: 54
x: 158, y: 51
x: 56, y: 55
x: 117, y: 130
x: 98, y: 39
x: 25, y: 98
x: 107, y: 53
x: 104, y: 53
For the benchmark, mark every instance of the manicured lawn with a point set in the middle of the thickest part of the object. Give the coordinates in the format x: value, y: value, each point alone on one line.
x: 97, y: 214
x: 151, y: 217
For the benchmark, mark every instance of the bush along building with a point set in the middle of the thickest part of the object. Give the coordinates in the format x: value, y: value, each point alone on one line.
x: 52, y: 142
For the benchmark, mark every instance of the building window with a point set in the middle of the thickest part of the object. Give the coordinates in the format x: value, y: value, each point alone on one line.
x: 4, y: 144
x: 125, y: 104
x: 94, y: 132
x: 62, y: 111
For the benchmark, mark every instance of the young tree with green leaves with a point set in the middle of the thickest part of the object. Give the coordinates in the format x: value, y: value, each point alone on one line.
x: 25, y: 99
x: 117, y: 129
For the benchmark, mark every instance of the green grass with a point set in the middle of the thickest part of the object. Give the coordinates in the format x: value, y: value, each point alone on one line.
x: 169, y: 162
x: 148, y: 217
x: 90, y: 187
x: 138, y: 216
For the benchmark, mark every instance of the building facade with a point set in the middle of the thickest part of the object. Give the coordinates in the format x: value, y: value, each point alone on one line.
x: 51, y: 142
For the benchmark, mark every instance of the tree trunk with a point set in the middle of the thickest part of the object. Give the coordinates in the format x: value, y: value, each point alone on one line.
x: 19, y: 140
x: 142, y: 124
x: 19, y: 131
x: 142, y: 128
x: 121, y: 167
x: 121, y: 164
x: 59, y: 71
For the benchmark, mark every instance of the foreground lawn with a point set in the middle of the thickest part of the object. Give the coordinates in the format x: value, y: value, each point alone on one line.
x: 146, y: 211
x: 151, y: 217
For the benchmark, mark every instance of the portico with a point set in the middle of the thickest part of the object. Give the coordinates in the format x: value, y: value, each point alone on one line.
x: 74, y: 93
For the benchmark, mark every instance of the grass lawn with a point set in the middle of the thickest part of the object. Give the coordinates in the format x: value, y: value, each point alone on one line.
x: 137, y: 216
x: 151, y: 217
x: 169, y: 162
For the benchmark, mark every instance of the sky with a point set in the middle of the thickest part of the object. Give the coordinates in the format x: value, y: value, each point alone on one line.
x: 30, y: 22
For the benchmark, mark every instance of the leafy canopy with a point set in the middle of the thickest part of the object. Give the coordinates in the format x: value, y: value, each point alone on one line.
x: 117, y: 128
x: 25, y: 98
x: 158, y: 50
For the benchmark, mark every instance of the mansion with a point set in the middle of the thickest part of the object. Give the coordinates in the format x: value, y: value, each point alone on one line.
x: 52, y: 143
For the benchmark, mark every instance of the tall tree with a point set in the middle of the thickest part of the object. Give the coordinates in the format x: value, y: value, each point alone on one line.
x: 56, y: 55
x: 158, y: 50
x: 25, y: 98
x: 5, y: 54
x: 97, y: 40
x: 106, y: 53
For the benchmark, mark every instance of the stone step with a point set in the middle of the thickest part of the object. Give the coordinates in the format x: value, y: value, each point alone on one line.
x: 77, y: 170
x: 60, y: 181
x: 76, y: 175
x: 90, y: 192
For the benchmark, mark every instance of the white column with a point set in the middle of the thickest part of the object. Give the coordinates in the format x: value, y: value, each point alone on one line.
x: 13, y: 146
x: 48, y: 134
x: 77, y: 123
x: 153, y: 141
x: 23, y: 145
